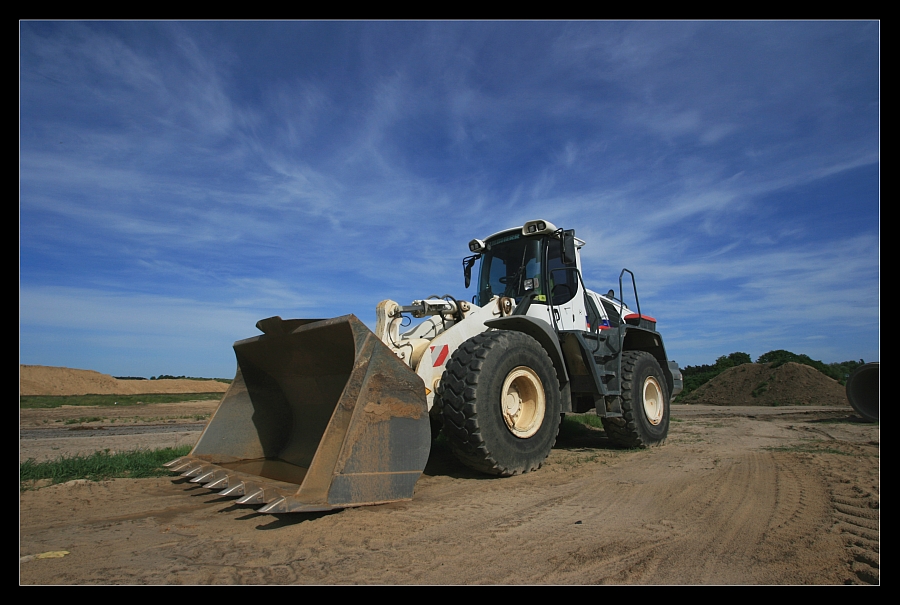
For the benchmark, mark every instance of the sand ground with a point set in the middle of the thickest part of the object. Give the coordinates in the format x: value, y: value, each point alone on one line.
x: 737, y: 495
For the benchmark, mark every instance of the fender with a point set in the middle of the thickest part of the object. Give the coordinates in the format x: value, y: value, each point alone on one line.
x: 541, y: 331
x: 649, y: 340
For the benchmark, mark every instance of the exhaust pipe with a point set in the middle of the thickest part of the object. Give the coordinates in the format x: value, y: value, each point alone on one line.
x: 320, y: 415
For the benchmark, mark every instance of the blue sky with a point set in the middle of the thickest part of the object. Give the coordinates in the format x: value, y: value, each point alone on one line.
x: 180, y: 181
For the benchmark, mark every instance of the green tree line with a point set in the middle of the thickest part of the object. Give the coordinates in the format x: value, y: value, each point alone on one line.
x: 170, y: 377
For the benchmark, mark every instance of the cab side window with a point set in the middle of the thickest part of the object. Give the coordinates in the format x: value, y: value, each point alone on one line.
x: 563, y: 278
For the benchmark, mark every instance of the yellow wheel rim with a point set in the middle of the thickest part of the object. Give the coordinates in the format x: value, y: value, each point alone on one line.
x: 523, y: 402
x: 653, y: 401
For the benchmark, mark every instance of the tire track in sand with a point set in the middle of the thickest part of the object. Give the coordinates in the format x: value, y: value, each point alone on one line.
x: 856, y: 508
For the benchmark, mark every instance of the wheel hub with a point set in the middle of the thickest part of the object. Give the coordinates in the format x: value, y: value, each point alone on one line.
x: 523, y: 402
x: 653, y: 401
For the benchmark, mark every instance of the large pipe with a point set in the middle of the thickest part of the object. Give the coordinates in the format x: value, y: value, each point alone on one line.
x: 862, y: 391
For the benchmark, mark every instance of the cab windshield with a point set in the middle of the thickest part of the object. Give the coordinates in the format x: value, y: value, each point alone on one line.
x: 511, y: 266
x: 507, y: 262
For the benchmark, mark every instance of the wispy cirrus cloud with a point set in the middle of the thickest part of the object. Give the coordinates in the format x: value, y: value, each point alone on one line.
x: 319, y: 167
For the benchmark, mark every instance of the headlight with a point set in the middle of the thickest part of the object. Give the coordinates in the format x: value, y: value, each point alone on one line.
x: 539, y: 226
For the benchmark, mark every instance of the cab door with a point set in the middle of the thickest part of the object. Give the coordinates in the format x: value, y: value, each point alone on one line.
x: 565, y: 291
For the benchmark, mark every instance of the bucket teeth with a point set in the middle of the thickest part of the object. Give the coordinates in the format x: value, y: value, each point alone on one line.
x: 276, y: 506
x: 235, y: 491
x: 282, y: 503
x: 175, y: 462
x: 218, y: 483
x: 207, y: 477
x: 194, y: 471
x: 181, y: 465
x: 257, y: 496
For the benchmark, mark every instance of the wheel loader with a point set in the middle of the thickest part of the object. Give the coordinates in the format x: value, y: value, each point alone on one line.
x: 325, y: 414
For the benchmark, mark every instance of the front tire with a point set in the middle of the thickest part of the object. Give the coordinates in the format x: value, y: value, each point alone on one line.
x: 645, y: 403
x: 501, y: 403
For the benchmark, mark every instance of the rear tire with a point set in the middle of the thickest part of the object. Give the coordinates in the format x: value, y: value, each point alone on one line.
x: 645, y: 403
x: 501, y: 403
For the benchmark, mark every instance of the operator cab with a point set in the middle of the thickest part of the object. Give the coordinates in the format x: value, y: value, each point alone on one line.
x: 537, y: 261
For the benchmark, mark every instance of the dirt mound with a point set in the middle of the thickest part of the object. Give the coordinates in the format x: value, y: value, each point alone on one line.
x: 761, y: 384
x: 46, y: 380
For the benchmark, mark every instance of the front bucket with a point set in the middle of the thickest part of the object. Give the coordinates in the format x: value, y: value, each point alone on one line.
x: 321, y: 415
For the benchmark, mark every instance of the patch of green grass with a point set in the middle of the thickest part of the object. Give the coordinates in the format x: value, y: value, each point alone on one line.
x: 84, y: 419
x: 182, y: 417
x: 585, y: 419
x: 99, y: 466
x: 594, y: 457
x: 48, y: 401
x: 440, y: 442
x: 575, y: 425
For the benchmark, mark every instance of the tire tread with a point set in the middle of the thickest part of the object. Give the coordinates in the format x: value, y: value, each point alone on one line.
x: 625, y: 431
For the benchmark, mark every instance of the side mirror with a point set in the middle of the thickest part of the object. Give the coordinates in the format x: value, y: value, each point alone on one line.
x: 468, y: 263
x: 568, y: 247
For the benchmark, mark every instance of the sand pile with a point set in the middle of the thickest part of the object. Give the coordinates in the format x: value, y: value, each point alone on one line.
x: 46, y: 380
x: 761, y: 384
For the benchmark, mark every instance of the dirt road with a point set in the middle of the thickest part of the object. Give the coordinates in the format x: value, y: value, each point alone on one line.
x: 736, y: 496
